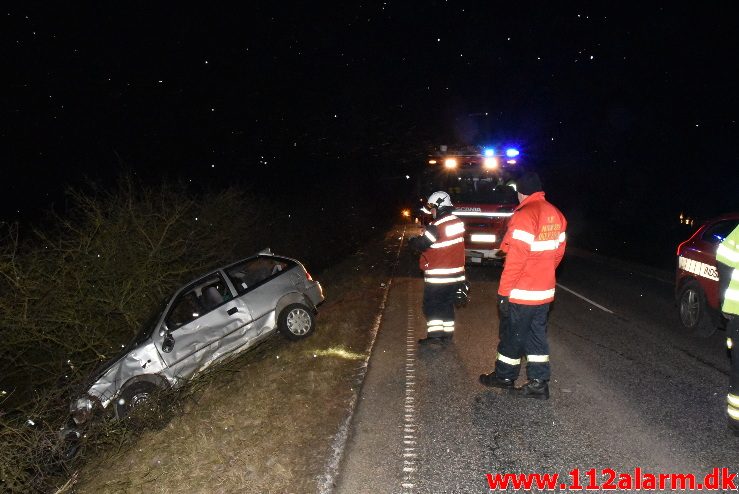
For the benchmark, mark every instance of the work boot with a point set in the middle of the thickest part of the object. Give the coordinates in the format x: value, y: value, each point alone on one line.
x: 493, y: 381
x: 535, y: 388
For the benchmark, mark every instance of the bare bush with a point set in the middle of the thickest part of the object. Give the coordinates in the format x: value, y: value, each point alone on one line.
x: 82, y: 288
x: 74, y: 292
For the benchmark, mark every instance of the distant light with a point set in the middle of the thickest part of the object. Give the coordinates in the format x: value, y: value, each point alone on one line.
x: 511, y: 152
x: 511, y: 162
x: 491, y: 163
x: 406, y: 213
x: 432, y: 162
x: 450, y: 163
x: 490, y: 152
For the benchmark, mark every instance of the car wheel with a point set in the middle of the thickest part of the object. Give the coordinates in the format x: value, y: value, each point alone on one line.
x: 296, y: 321
x: 70, y: 446
x: 133, y: 396
x: 694, y: 311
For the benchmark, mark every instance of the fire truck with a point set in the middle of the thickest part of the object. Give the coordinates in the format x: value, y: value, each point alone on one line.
x: 481, y: 184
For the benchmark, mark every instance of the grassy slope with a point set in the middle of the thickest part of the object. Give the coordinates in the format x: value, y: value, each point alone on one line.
x: 265, y: 421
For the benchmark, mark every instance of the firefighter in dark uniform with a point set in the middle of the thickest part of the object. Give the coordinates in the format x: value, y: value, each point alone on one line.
x: 727, y: 260
x: 534, y: 245
x: 442, y: 261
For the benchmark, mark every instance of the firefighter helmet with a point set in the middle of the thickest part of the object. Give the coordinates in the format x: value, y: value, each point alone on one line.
x: 439, y: 199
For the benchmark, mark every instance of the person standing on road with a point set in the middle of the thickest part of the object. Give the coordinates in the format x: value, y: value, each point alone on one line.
x: 442, y: 261
x: 727, y: 260
x: 534, y: 245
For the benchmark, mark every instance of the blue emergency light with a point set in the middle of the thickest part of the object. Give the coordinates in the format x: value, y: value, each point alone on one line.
x: 489, y: 152
x: 511, y: 152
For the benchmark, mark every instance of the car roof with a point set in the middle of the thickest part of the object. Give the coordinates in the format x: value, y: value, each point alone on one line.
x: 262, y: 253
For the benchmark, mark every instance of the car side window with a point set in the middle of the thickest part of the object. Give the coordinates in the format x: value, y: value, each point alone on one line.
x: 199, y: 298
x: 185, y: 309
x: 717, y: 232
x: 253, y: 272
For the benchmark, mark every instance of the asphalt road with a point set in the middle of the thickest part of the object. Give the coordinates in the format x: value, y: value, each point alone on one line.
x: 629, y: 389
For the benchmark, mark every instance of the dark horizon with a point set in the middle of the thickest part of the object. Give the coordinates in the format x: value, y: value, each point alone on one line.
x: 621, y: 110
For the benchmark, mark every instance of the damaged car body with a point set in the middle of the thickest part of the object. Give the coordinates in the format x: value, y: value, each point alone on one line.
x: 221, y: 314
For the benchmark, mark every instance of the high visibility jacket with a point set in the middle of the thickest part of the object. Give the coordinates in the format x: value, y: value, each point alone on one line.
x: 534, y: 245
x: 443, y: 260
x: 728, y: 253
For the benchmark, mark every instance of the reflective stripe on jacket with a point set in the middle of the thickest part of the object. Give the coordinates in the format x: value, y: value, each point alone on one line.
x: 534, y: 245
x: 443, y: 261
x: 728, y: 253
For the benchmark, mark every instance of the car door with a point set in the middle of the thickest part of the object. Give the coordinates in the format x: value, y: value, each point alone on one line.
x: 206, y: 322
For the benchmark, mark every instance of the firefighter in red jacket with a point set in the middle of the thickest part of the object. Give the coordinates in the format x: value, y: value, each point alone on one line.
x: 534, y: 244
x: 442, y: 261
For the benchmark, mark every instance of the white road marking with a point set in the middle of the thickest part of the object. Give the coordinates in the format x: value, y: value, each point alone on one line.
x: 584, y: 298
x: 409, y: 430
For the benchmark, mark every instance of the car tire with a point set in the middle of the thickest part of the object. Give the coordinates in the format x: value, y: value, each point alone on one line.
x: 296, y: 321
x: 70, y: 446
x: 132, y: 396
x: 693, y: 310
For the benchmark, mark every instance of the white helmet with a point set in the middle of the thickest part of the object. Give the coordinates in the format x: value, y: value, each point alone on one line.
x: 439, y: 199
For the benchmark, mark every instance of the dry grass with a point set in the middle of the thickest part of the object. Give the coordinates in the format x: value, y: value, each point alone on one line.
x: 265, y: 421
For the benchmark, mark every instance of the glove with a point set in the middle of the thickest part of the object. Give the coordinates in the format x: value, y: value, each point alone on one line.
x: 414, y: 244
x: 503, y: 306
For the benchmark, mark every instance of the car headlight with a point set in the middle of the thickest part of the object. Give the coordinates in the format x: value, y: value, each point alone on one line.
x: 81, y: 409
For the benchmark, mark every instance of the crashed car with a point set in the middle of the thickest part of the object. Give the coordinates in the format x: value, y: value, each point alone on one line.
x: 220, y: 314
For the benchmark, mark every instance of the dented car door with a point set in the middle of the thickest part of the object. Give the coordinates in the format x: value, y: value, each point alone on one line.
x: 204, y: 323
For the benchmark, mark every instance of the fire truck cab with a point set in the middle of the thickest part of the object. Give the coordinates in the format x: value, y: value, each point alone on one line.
x: 481, y: 184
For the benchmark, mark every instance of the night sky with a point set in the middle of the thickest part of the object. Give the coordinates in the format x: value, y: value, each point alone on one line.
x: 628, y: 110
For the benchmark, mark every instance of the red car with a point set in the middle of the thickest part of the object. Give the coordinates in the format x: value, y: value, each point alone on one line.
x: 696, y: 280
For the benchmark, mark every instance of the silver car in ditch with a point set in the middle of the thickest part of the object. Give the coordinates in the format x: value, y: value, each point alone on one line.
x: 217, y: 315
